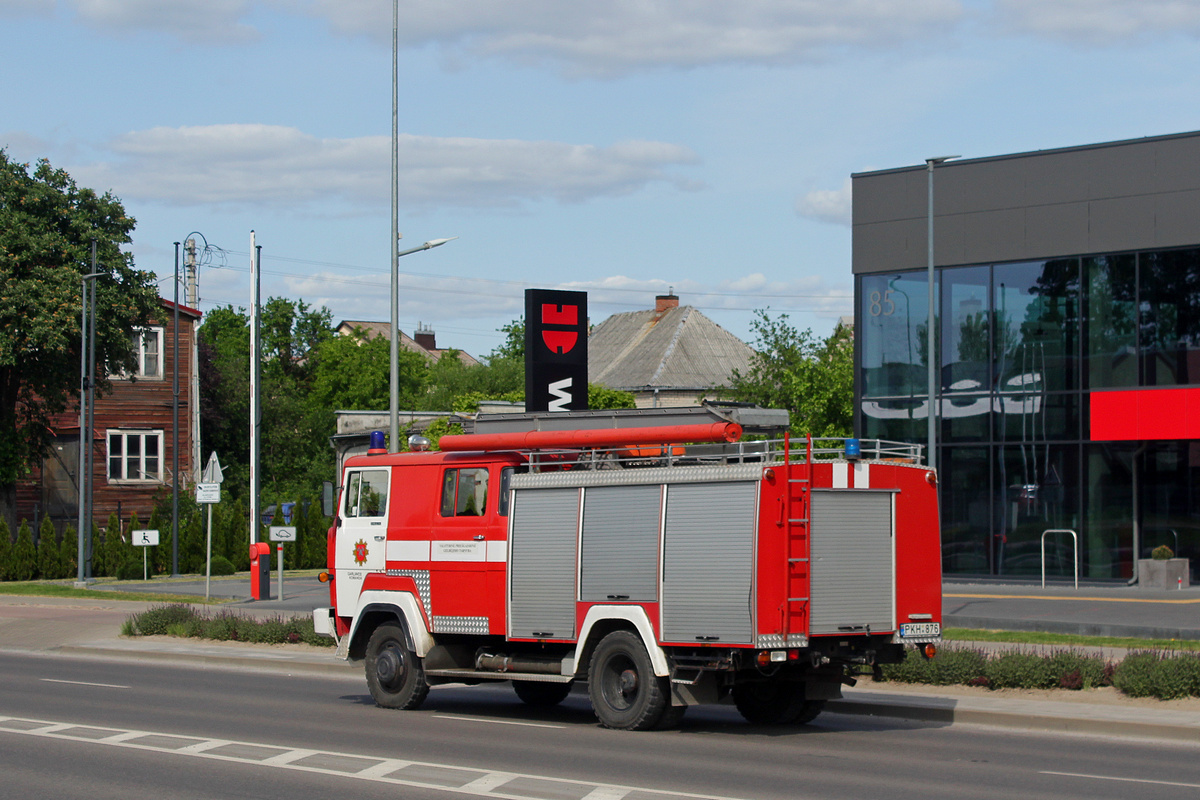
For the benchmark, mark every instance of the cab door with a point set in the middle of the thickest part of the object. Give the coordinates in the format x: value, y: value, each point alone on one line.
x: 361, y: 537
x: 467, y: 552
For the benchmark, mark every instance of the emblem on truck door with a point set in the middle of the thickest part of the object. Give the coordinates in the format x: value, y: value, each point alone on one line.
x: 360, y: 552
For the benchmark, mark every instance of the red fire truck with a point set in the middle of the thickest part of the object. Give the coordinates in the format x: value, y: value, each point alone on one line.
x: 617, y: 549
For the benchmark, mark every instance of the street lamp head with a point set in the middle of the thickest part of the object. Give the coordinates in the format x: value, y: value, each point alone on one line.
x: 439, y: 242
x: 932, y: 162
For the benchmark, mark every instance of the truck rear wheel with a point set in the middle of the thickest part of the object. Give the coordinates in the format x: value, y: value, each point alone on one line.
x: 625, y: 692
x: 541, y: 695
x: 394, y: 673
x: 772, y: 702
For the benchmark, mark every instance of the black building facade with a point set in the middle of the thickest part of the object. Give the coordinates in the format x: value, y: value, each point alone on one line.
x: 1067, y: 349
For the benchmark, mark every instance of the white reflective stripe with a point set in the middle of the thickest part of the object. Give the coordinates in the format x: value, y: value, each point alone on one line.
x: 407, y: 550
x: 446, y: 550
x: 841, y: 475
x: 862, y: 476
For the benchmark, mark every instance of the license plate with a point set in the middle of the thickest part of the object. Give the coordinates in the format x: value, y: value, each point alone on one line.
x: 921, y: 629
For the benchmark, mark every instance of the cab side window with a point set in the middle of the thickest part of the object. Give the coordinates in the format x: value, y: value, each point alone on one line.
x: 366, y: 494
x: 464, y: 492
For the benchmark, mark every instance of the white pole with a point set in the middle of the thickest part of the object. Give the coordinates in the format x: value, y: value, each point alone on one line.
x: 254, y: 412
x: 208, y: 554
x: 393, y: 258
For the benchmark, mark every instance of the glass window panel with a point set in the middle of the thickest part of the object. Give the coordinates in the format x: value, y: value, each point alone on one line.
x: 892, y: 336
x: 1037, y: 491
x: 472, y: 492
x: 1036, y: 323
x: 965, y: 417
x: 449, y: 484
x: 1108, y: 509
x: 966, y: 517
x: 1037, y: 417
x: 1169, y: 291
x: 896, y: 419
x: 150, y: 340
x: 114, y: 456
x: 966, y: 343
x: 374, y: 493
x: 1169, y: 500
x: 1110, y: 314
x: 133, y: 457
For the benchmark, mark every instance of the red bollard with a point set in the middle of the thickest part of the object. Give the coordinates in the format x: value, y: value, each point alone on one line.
x: 260, y: 571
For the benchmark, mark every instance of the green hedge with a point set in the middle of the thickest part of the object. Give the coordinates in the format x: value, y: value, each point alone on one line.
x: 180, y: 619
x: 1167, y: 676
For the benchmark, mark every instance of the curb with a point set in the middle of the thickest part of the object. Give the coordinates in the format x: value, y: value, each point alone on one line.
x: 1098, y: 721
x: 264, y: 662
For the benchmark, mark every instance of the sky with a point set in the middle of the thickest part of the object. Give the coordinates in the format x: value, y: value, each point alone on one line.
x: 626, y: 148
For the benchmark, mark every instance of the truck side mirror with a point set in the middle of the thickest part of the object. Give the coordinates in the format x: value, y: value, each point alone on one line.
x: 327, y: 498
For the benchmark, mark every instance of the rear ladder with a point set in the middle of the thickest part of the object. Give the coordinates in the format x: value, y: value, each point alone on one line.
x: 798, y: 479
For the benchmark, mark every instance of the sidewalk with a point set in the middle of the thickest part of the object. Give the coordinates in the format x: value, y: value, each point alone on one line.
x: 91, y: 628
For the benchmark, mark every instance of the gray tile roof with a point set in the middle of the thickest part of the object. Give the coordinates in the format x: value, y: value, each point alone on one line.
x: 681, y: 349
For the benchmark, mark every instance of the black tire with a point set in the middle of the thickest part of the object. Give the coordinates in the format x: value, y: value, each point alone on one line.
x: 809, y: 711
x: 541, y: 695
x: 671, y: 718
x: 770, y: 702
x: 394, y: 673
x: 625, y: 692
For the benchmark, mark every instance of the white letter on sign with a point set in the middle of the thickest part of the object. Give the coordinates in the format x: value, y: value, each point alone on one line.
x: 561, y: 391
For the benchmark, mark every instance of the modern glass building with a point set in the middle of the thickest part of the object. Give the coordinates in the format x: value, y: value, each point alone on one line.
x: 1067, y: 349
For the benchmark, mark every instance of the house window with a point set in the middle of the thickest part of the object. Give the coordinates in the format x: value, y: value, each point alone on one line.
x: 135, y: 456
x: 147, y: 345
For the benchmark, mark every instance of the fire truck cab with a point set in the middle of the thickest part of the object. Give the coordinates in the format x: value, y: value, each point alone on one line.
x: 655, y: 557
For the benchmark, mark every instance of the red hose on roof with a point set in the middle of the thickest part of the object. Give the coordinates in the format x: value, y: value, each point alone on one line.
x: 602, y: 437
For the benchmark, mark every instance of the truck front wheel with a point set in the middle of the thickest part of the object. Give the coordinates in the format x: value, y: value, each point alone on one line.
x: 394, y: 673
x: 625, y: 692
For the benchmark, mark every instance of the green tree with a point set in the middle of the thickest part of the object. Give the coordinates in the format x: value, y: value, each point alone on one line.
x: 47, y: 225
x: 48, y: 554
x: 5, y: 550
x: 603, y: 397
x: 810, y: 377
x: 68, y: 553
x: 23, y: 560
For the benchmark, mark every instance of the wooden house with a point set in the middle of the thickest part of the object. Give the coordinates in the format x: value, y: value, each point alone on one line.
x: 132, y: 434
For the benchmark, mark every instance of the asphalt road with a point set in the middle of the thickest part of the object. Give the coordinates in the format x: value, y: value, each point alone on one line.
x: 73, y: 727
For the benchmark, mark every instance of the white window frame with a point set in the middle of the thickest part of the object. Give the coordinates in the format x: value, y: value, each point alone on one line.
x: 139, y: 345
x: 140, y: 474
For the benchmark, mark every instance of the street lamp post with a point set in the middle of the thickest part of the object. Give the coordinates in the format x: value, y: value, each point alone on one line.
x: 394, y: 382
x: 86, y: 378
x: 930, y: 163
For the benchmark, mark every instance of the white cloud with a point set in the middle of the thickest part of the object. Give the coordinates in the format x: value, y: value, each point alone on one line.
x: 618, y: 36
x: 827, y: 205
x: 190, y: 20
x: 281, y: 166
x: 1100, y: 21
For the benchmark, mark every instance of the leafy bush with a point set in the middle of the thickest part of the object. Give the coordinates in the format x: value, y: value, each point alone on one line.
x: 131, y: 569
x: 1013, y: 670
x: 951, y: 666
x: 1019, y: 670
x: 221, y: 565
x: 155, y: 620
x: 225, y: 625
x: 1152, y: 674
x: 1162, y: 553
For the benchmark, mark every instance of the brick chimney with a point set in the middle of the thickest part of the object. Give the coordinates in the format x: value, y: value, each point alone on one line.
x: 425, y: 337
x: 664, y: 303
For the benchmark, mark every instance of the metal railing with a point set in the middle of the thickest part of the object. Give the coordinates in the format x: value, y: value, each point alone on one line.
x: 765, y: 451
x: 1075, y: 552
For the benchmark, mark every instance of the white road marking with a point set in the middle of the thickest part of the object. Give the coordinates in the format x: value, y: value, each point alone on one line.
x: 85, y: 683
x: 475, y: 782
x: 497, y: 721
x: 1120, y: 779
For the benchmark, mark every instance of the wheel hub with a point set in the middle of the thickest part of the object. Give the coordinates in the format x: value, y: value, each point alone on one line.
x: 628, y: 682
x: 389, y: 665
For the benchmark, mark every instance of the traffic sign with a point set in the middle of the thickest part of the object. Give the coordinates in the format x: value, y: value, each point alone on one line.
x: 283, y: 533
x: 145, y: 538
x: 212, y: 471
x: 208, y: 492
